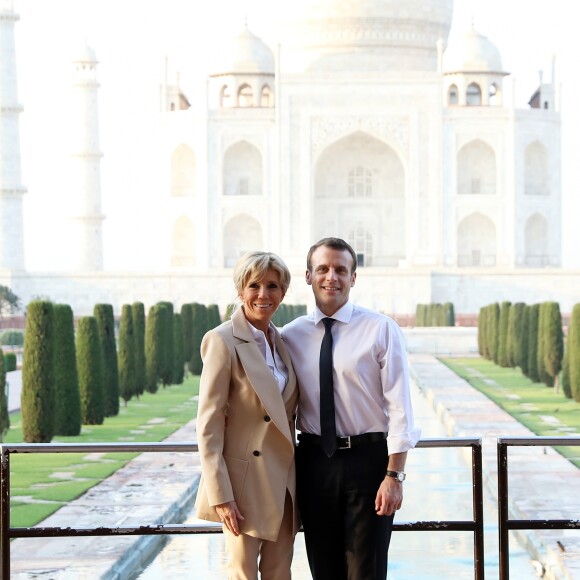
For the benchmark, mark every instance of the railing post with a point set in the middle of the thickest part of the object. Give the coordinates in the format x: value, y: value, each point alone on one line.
x: 478, y: 544
x: 502, y: 510
x: 4, y: 513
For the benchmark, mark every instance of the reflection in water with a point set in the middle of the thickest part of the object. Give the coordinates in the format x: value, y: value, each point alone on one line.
x: 438, y: 487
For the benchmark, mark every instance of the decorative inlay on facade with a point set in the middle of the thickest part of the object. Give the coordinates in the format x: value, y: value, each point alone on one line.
x: 393, y: 130
x: 373, y: 31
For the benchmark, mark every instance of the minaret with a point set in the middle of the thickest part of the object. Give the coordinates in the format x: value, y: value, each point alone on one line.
x: 11, y: 188
x: 87, y: 218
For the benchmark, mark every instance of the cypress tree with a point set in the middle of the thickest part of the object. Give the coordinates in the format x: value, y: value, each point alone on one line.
x: 494, y: 332
x: 138, y: 319
x: 127, y: 355
x: 533, y: 321
x: 574, y: 352
x: 106, y: 326
x: 199, y: 329
x: 37, y: 396
x: 545, y: 377
x: 566, y: 386
x: 10, y: 362
x: 90, y: 370
x: 502, y: 355
x: 449, y: 310
x: 153, y: 350
x: 67, y: 403
x: 481, y: 331
x: 279, y: 318
x: 511, y: 332
x: 187, y: 326
x: 4, y: 416
x: 487, y: 342
x: 213, y: 316
x: 178, y: 364
x: 166, y: 322
x: 229, y: 311
x: 553, y: 342
x: 521, y: 337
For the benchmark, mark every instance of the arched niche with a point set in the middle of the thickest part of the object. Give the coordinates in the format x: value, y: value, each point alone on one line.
x: 473, y: 95
x: 242, y: 170
x: 476, y: 169
x: 536, y: 241
x: 242, y: 234
x: 476, y: 242
x: 360, y: 179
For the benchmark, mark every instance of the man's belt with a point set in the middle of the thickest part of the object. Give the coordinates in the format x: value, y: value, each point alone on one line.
x: 347, y: 442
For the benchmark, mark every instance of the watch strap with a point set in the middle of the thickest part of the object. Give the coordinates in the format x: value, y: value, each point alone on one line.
x: 398, y: 475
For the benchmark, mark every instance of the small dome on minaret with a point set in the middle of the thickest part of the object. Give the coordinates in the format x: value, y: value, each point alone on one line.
x: 86, y: 54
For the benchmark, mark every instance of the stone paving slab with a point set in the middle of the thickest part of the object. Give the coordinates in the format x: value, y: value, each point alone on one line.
x: 542, y: 483
x: 154, y: 488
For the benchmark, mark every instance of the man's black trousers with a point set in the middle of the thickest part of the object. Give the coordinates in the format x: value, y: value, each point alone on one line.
x: 345, y: 539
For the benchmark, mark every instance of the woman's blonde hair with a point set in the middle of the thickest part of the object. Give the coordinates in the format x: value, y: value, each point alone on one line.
x: 254, y: 265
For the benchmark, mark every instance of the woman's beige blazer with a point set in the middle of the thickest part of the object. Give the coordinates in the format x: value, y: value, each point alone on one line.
x: 245, y: 430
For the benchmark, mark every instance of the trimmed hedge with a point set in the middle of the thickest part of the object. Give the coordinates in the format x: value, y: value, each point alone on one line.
x: 199, y: 318
x: 574, y: 352
x: 10, y: 362
x: 90, y: 369
x: 67, y: 404
x: 127, y: 355
x: 4, y: 416
x: 37, y: 397
x: 138, y: 318
x: 178, y: 369
x: 105, y: 318
x: 153, y: 350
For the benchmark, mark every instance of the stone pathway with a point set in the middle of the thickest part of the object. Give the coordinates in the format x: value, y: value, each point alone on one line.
x: 159, y: 488
x: 542, y: 483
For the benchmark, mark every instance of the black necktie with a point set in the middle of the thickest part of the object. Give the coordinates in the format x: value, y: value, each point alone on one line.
x: 327, y: 422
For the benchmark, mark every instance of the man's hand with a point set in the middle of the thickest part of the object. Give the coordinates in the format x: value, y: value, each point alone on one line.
x: 229, y: 514
x: 389, y: 497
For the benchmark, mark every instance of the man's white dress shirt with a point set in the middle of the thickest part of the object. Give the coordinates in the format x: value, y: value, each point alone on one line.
x: 371, y: 375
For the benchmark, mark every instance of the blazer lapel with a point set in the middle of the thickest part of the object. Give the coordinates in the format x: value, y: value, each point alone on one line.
x: 259, y: 375
x: 285, y: 356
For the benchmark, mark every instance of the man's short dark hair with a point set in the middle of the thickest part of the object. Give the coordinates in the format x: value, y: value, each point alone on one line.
x: 335, y: 244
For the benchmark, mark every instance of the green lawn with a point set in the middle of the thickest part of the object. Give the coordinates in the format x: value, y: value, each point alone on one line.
x: 42, y: 483
x: 534, y: 405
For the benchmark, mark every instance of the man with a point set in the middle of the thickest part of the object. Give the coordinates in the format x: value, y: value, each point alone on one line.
x: 352, y: 450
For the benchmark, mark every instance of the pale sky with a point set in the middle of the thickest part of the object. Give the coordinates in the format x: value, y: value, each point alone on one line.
x: 131, y: 39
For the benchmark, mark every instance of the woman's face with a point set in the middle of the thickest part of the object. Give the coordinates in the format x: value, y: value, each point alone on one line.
x: 261, y: 298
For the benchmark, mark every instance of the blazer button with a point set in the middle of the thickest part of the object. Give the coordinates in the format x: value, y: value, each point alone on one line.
x: 267, y: 418
x: 256, y: 453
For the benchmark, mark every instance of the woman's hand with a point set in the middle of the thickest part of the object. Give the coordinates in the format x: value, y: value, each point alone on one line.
x: 229, y: 514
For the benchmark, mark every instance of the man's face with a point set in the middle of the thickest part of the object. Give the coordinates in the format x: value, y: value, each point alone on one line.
x: 331, y: 278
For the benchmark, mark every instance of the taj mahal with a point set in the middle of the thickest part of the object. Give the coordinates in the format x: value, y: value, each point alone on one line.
x: 365, y: 121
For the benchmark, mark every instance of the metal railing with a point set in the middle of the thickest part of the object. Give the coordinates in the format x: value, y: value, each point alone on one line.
x: 8, y: 533
x: 505, y: 524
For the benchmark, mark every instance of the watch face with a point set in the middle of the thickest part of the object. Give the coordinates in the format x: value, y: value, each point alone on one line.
x: 401, y: 476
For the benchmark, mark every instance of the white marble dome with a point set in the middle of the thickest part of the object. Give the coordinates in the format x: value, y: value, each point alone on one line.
x: 246, y: 54
x: 471, y: 52
x: 385, y: 34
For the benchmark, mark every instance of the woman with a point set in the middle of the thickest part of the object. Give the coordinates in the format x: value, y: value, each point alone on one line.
x: 245, y: 426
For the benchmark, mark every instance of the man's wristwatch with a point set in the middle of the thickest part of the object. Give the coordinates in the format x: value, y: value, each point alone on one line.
x: 398, y: 475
